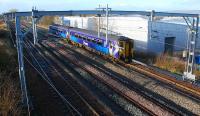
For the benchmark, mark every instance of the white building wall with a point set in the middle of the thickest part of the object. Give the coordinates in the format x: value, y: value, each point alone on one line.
x: 132, y: 27
x: 137, y: 28
x: 161, y: 30
x: 79, y: 22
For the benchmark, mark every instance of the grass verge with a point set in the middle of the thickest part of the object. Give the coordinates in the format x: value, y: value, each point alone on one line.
x: 10, y: 95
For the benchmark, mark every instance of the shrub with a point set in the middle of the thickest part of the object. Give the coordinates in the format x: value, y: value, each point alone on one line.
x: 144, y: 57
x: 171, y: 64
x: 9, y: 89
x: 9, y: 96
x: 197, y: 74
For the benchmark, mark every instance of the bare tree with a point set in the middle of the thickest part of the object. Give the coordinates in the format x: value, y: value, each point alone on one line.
x: 47, y: 20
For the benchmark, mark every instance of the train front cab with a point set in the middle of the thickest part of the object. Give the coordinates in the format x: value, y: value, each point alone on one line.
x: 126, y: 50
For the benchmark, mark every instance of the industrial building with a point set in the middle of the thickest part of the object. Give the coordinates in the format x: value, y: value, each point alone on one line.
x: 162, y: 35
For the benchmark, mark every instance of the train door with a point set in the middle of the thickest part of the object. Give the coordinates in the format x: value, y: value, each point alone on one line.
x: 122, y: 50
x: 110, y: 48
x: 126, y: 50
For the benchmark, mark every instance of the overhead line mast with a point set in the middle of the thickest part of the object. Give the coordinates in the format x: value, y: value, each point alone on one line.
x: 105, y: 9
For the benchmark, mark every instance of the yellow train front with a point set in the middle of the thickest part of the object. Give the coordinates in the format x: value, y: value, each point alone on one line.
x: 126, y: 49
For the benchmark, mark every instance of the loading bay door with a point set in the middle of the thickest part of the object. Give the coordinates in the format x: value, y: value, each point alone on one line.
x: 169, y: 45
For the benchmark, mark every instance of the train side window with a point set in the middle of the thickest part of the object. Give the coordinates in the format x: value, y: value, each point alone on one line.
x: 79, y: 36
x: 88, y: 39
x: 93, y: 41
x: 76, y: 35
x: 84, y: 38
x: 99, y: 42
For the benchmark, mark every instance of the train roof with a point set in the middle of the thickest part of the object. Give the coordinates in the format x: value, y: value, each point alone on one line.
x: 92, y: 33
x: 95, y: 34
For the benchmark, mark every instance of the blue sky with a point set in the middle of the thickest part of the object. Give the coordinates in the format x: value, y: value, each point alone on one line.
x: 159, y: 5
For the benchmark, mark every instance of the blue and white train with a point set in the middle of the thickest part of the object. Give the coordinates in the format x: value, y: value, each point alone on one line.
x: 118, y: 47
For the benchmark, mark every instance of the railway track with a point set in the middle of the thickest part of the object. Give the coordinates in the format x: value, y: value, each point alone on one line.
x: 160, y: 100
x: 191, y: 90
x: 48, y: 71
x: 61, y: 87
x: 152, y: 109
x: 152, y: 73
x: 59, y: 63
x: 174, y: 104
x: 71, y: 94
x: 103, y: 110
x: 43, y: 97
x: 145, y: 80
x: 53, y: 90
x: 62, y: 63
x: 188, y: 88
